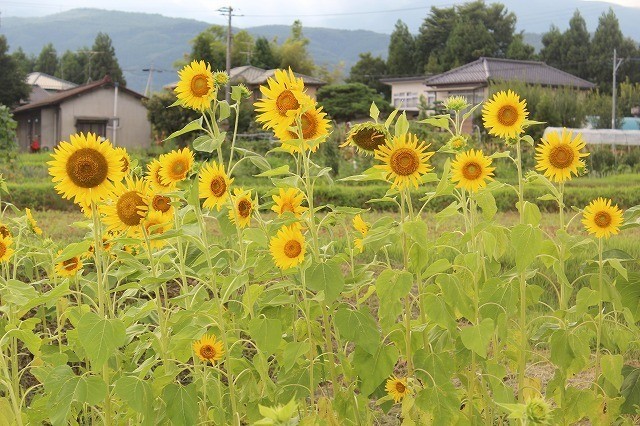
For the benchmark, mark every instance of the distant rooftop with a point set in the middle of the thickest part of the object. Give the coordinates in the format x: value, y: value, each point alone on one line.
x: 603, y: 136
x: 486, y: 70
x: 49, y: 82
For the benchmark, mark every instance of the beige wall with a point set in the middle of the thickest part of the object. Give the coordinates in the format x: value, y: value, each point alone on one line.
x: 406, y: 94
x: 134, y: 130
x: 48, y: 127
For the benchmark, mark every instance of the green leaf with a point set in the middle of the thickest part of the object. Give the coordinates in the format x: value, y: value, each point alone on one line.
x: 74, y: 249
x: 487, y: 203
x: 439, y: 366
x: 402, y: 125
x: 391, y: 287
x: 531, y: 213
x: 278, y: 171
x: 7, y: 418
x: 224, y: 109
x: 389, y: 119
x: 477, y: 337
x: 90, y: 390
x: 417, y: 231
x: 267, y: 333
x: 374, y: 112
x: 569, y: 351
x: 441, y: 400
x: 527, y: 242
x: 612, y: 369
x: 437, y: 311
x: 206, y: 143
x: 137, y: 393
x: 293, y: 351
x: 586, y: 297
x: 100, y: 337
x: 17, y: 293
x: 437, y: 267
x: 374, y: 368
x: 439, y: 121
x: 359, y: 327
x: 326, y: 277
x: 182, y: 404
x: 630, y: 389
x: 190, y: 127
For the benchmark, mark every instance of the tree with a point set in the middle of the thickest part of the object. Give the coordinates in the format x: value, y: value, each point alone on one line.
x: 104, y: 61
x: 518, y: 49
x: 241, y: 49
x: 264, y: 55
x: 293, y: 52
x: 13, y: 86
x: 165, y: 119
x: 400, y: 60
x: 210, y: 46
x: 74, y: 66
x: 25, y: 63
x: 432, y: 37
x: 553, y: 52
x: 467, y: 42
x: 350, y: 101
x: 333, y: 76
x: 577, y: 44
x: 47, y: 61
x: 369, y: 70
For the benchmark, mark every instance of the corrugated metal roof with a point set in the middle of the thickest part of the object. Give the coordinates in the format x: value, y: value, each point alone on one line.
x: 603, y: 136
x: 485, y: 70
x: 49, y: 82
x: 248, y: 74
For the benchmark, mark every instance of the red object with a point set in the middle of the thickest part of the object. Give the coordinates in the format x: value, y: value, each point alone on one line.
x: 35, y: 145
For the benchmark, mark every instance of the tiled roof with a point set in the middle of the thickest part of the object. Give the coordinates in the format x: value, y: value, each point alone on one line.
x: 409, y: 79
x: 48, y: 82
x: 248, y: 74
x: 59, y: 97
x: 484, y: 70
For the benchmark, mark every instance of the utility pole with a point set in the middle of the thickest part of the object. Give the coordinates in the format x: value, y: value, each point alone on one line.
x: 616, y: 64
x: 147, y: 90
x: 228, y: 11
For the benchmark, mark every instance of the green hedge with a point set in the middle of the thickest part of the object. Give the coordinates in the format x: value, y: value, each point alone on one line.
x: 42, y: 196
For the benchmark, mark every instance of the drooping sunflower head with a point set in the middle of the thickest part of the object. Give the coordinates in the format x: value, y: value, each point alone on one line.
x: 471, y: 170
x: 601, y: 218
x: 287, y: 247
x: 208, y: 349
x: 5, y: 231
x: 84, y: 168
x: 283, y: 98
x: 288, y: 200
x: 505, y: 114
x: 405, y: 160
x: 397, y: 388
x: 558, y: 156
x: 175, y: 166
x: 156, y: 224
x: 125, y: 160
x: 69, y: 267
x: 367, y: 137
x: 243, y: 207
x: 128, y: 207
x: 213, y: 185
x: 312, y: 129
x: 196, y: 88
x: 31, y: 222
x: 5, y: 248
x: 155, y: 181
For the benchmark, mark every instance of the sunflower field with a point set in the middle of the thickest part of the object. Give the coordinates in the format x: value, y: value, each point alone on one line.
x: 195, y: 301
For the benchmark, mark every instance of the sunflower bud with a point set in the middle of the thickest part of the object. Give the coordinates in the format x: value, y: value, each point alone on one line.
x: 537, y: 411
x: 456, y: 103
x: 457, y: 142
x: 220, y: 78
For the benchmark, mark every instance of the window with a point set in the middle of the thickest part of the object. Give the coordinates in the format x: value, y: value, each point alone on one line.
x: 405, y: 100
x: 97, y: 126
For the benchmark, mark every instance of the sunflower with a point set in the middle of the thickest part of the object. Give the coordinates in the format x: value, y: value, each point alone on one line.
x: 5, y: 248
x: 33, y: 225
x: 405, y: 160
x: 69, y: 267
x: 367, y: 137
x: 125, y: 160
x: 559, y: 155
x: 175, y: 165
x: 84, y: 167
x: 282, y: 99
x: 156, y: 223
x: 363, y: 228
x: 213, y: 185
x: 471, y: 170
x: 208, y: 348
x: 505, y: 114
x: 242, y: 207
x: 130, y: 202
x: 287, y: 247
x: 196, y: 88
x: 107, y: 239
x: 397, y: 388
x: 155, y: 181
x: 314, y: 127
x: 160, y: 203
x: 601, y: 218
x: 4, y: 230
x: 288, y: 200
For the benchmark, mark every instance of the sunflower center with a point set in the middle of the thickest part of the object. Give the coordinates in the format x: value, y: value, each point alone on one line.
x: 368, y: 139
x: 507, y: 115
x: 4, y: 231
x: 218, y: 186
x: 244, y: 207
x: 128, y: 208
x: 286, y: 101
x: 602, y: 219
x: 161, y: 203
x: 287, y: 206
x: 309, y: 125
x: 404, y: 162
x: 179, y: 169
x: 561, y: 157
x: 400, y: 387
x: 87, y: 168
x: 471, y: 171
x: 70, y: 264
x: 125, y: 164
x: 292, y: 249
x: 199, y: 85
x: 208, y: 352
x: 3, y: 249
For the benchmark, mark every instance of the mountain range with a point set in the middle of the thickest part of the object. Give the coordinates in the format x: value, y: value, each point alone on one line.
x: 143, y: 40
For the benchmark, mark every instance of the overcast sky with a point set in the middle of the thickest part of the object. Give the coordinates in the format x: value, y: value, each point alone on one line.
x: 352, y: 14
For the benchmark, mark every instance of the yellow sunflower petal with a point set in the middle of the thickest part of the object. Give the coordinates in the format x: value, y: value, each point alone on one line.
x: 397, y: 388
x: 313, y: 127
x: 243, y: 207
x: 287, y: 247
x: 213, y: 185
x: 471, y: 170
x: 601, y: 218
x: 405, y: 160
x: 208, y: 349
x: 558, y: 156
x: 128, y: 207
x: 289, y: 200
x: 175, y: 166
x: 505, y: 114
x: 5, y: 248
x: 196, y: 88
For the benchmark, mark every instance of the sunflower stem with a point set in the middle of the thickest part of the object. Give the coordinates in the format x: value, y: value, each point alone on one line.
x: 522, y: 355
x: 600, y: 317
x: 311, y: 354
x: 235, y: 132
x: 407, y: 299
x: 563, y: 286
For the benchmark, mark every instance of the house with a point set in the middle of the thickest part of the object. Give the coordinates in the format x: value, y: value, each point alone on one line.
x: 474, y: 79
x: 48, y: 82
x: 406, y: 92
x: 254, y: 77
x: 52, y: 115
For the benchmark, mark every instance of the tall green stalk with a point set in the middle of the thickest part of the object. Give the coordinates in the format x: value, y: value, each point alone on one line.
x: 522, y: 355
